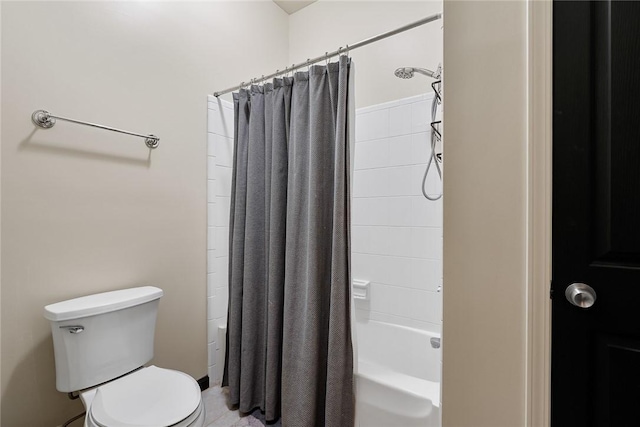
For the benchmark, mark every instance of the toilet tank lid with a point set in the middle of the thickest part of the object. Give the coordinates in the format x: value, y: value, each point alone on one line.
x: 105, y: 302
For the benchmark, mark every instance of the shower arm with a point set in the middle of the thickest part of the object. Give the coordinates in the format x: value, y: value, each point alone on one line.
x: 428, y: 73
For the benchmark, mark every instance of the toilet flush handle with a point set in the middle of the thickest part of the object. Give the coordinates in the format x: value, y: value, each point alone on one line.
x: 73, y: 329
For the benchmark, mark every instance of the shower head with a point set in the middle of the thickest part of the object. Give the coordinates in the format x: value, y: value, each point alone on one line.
x: 404, y: 73
x: 408, y: 72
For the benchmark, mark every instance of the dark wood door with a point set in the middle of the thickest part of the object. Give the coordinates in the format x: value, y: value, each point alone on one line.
x: 595, y: 369
x: 596, y: 213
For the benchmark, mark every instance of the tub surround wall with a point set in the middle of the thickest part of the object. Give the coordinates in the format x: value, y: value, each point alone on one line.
x: 86, y: 210
x: 219, y: 168
x: 396, y: 232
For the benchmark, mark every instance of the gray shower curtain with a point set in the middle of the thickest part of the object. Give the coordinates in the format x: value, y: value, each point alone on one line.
x: 289, y: 349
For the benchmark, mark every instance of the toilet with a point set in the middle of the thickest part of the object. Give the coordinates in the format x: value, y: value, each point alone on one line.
x: 101, y: 344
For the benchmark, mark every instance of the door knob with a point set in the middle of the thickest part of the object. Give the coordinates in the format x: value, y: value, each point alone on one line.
x: 580, y: 294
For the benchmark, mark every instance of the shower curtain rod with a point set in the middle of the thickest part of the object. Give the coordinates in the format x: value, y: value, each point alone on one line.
x: 340, y: 50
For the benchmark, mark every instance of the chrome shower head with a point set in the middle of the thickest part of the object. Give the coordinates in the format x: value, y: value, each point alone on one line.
x: 404, y: 73
x: 408, y: 72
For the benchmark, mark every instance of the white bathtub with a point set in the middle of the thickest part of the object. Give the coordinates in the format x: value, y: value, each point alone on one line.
x: 398, y: 377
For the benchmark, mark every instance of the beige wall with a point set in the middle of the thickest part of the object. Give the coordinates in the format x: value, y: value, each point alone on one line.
x: 485, y: 213
x: 86, y: 210
x: 0, y: 205
x: 326, y: 25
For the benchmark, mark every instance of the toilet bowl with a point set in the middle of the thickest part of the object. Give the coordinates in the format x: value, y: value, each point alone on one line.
x: 150, y: 397
x: 101, y: 344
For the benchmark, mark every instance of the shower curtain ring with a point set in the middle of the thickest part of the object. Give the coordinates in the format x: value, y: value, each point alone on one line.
x: 308, y: 64
x: 326, y: 58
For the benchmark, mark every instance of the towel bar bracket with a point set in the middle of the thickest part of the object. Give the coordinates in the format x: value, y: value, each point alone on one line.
x: 43, y: 119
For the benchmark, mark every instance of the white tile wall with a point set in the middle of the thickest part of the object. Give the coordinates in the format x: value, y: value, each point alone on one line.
x: 222, y: 182
x: 222, y: 209
x: 400, y: 120
x: 211, y: 193
x: 421, y: 116
x: 372, y: 125
x: 372, y: 154
x: 370, y: 211
x: 219, y: 161
x: 224, y: 151
x: 211, y: 264
x: 396, y: 232
x: 401, y: 151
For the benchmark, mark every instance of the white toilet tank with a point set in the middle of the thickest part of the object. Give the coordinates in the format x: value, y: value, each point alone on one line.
x: 100, y: 337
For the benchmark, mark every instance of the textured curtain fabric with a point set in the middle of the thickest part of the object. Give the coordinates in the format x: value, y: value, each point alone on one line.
x: 289, y: 347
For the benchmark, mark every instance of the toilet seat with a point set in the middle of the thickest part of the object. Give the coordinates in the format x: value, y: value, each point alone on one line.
x: 194, y: 420
x: 150, y: 397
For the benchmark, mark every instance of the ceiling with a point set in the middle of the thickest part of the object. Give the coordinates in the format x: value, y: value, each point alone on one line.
x: 292, y: 6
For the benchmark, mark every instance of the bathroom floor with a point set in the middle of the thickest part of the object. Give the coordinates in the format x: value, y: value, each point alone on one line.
x: 219, y: 415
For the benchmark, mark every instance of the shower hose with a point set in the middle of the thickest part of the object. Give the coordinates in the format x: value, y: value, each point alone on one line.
x: 435, y: 137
